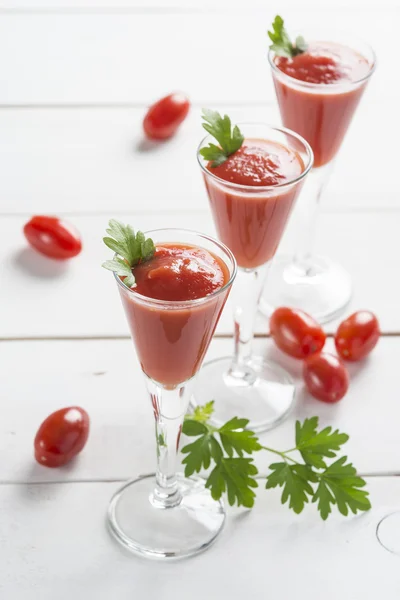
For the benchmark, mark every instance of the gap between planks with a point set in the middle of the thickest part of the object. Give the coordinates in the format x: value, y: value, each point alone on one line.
x: 119, y: 480
x: 175, y: 10
x: 78, y: 338
x: 126, y: 105
x: 85, y: 338
x: 203, y: 212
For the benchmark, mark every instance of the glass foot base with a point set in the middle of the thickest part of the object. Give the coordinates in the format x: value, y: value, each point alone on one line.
x: 388, y: 532
x: 318, y: 286
x: 177, y: 532
x: 264, y: 396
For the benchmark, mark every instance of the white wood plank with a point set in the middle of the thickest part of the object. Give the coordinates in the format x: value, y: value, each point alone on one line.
x: 181, y: 5
x: 364, y: 413
x: 54, y: 538
x: 44, y: 298
x: 96, y: 160
x: 104, y: 378
x: 113, y: 58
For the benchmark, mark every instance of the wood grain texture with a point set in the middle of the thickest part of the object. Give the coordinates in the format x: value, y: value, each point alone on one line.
x: 70, y: 56
x: 113, y: 58
x: 96, y: 160
x: 158, y: 6
x: 53, y: 537
x: 45, y: 298
x: 104, y: 377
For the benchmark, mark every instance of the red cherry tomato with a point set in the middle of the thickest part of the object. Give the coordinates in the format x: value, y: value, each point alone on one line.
x: 326, y: 377
x: 164, y: 117
x: 53, y: 237
x: 61, y: 436
x: 357, y: 335
x: 296, y: 333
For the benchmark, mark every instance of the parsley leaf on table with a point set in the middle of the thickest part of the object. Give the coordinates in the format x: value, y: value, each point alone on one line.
x: 235, y: 438
x: 229, y: 139
x: 233, y: 472
x: 203, y: 413
x: 236, y: 477
x: 281, y: 42
x: 296, y: 482
x: 313, y: 444
x: 199, y: 452
x: 340, y: 485
x: 337, y: 484
x: 224, y: 449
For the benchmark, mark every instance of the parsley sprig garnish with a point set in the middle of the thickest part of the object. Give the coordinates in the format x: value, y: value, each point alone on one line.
x: 131, y: 248
x: 220, y: 128
x: 229, y: 451
x: 281, y: 42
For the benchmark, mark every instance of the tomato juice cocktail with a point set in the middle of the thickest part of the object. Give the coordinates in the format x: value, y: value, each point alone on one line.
x: 174, y: 308
x: 250, y: 199
x: 173, y: 285
x: 320, y: 78
x: 318, y: 92
x: 253, y: 179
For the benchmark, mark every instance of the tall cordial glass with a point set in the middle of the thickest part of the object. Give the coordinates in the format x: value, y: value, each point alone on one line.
x: 167, y: 515
x: 318, y: 92
x: 250, y: 219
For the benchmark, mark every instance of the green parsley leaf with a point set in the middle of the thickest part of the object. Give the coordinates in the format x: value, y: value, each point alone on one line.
x: 340, y: 485
x: 132, y: 249
x: 235, y: 438
x: 236, y: 477
x: 214, y: 154
x: 281, y: 43
x: 148, y: 249
x: 230, y: 140
x: 200, y: 452
x: 232, y: 473
x: 301, y: 45
x: 202, y: 413
x: 313, y: 445
x: 191, y: 427
x: 117, y: 265
x: 296, y: 481
x: 120, y: 267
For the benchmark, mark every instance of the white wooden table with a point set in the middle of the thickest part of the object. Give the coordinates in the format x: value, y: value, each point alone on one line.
x: 75, y: 78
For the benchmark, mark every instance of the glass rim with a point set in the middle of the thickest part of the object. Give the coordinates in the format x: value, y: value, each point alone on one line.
x: 262, y: 188
x: 181, y: 304
x: 334, y: 86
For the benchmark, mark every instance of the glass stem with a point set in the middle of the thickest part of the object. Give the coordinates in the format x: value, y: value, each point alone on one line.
x: 169, y: 406
x: 246, y: 293
x: 306, y: 213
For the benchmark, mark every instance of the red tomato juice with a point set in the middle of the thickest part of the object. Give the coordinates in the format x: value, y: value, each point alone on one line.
x: 251, y: 219
x: 318, y: 92
x: 172, y: 334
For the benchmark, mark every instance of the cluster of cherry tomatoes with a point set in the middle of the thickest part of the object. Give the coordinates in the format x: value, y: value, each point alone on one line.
x: 65, y: 432
x: 296, y: 333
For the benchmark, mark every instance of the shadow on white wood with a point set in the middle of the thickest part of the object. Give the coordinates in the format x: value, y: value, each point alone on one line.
x: 91, y: 161
x: 104, y: 377
x: 50, y: 58
x: 44, y: 298
x: 54, y: 538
